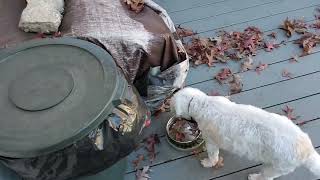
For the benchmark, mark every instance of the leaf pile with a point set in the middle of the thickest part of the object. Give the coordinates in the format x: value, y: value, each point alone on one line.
x: 135, y: 5
x: 226, y: 46
x: 183, y: 130
x: 307, y: 42
x: 297, y: 25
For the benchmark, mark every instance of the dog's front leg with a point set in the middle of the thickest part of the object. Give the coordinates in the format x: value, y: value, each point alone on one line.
x: 213, y: 155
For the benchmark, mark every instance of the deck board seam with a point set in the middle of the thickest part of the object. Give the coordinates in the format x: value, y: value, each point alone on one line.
x: 202, y: 5
x: 243, y: 22
x: 228, y: 12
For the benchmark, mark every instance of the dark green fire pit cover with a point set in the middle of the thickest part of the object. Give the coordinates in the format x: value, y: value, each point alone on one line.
x: 52, y: 93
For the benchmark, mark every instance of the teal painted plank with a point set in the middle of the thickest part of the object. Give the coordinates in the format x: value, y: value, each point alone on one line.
x: 216, y: 9
x: 250, y: 14
x: 167, y: 153
x: 173, y: 6
x: 273, y: 74
x: 299, y: 174
x: 280, y: 92
x: 189, y: 168
x: 268, y: 23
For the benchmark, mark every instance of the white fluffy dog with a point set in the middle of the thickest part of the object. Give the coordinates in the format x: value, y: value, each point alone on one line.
x: 247, y: 131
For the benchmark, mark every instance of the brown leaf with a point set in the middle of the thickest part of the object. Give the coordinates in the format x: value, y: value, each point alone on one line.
x: 289, y: 113
x: 211, y: 58
x: 184, y: 32
x: 143, y: 174
x: 135, y: 5
x: 285, y: 73
x: 308, y: 42
x: 261, y: 67
x: 137, y: 161
x: 247, y: 64
x: 220, y: 163
x: 223, y: 75
x: 150, y: 146
x: 316, y: 25
x: 273, y: 35
x: 288, y: 26
x: 235, y: 84
x: 294, y: 58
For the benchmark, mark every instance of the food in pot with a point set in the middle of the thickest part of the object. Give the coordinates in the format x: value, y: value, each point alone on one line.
x: 183, y: 130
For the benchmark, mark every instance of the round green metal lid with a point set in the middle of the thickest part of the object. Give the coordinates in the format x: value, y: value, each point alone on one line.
x: 53, y: 92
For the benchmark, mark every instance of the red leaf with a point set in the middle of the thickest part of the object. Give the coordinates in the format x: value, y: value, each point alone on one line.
x: 285, y: 73
x: 147, y: 123
x: 184, y: 32
x: 150, y: 146
x: 40, y: 35
x: 289, y: 113
x: 137, y: 161
x: 261, y: 67
x: 57, y: 34
x: 223, y: 75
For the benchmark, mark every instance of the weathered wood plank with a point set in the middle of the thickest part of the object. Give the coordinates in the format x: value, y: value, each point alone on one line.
x: 189, y: 168
x: 251, y: 79
x: 216, y: 9
x: 173, y: 6
x: 167, y: 153
x: 250, y: 14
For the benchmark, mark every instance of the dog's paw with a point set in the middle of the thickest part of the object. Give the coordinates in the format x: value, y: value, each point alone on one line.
x: 206, y: 163
x: 255, y: 177
x: 219, y: 164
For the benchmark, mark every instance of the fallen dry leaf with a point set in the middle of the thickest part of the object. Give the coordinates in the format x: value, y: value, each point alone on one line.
x: 316, y: 25
x: 214, y: 93
x: 273, y: 35
x: 247, y: 64
x: 308, y: 42
x: 150, y: 146
x: 223, y: 75
x: 184, y: 32
x: 137, y: 161
x: 135, y: 5
x: 289, y: 113
x: 294, y: 59
x: 143, y: 174
x: 220, y: 163
x: 269, y: 46
x: 285, y: 73
x: 261, y: 67
x: 235, y: 84
x: 288, y: 27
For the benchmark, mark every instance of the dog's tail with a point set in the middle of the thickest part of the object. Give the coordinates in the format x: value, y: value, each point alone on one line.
x: 313, y: 163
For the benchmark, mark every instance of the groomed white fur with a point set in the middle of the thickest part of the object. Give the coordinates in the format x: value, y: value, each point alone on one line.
x: 247, y: 131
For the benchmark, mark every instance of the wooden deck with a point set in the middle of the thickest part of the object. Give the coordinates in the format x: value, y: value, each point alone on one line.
x: 269, y: 90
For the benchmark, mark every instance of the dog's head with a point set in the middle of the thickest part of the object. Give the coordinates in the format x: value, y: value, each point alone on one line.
x: 180, y: 101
